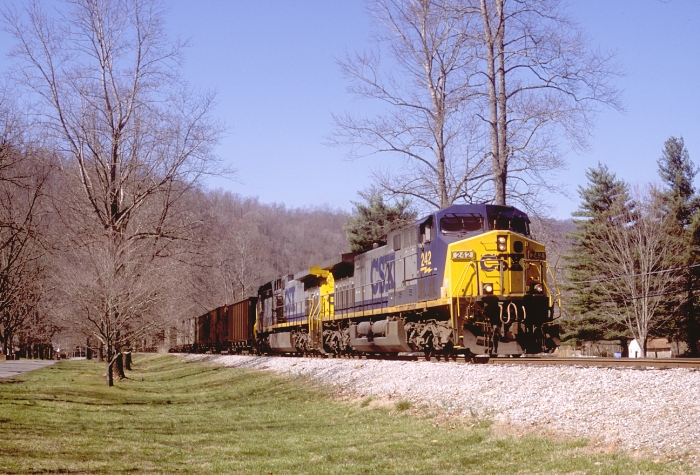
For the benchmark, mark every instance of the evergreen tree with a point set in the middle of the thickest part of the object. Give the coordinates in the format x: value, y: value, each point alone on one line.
x: 677, y: 172
x: 601, y: 202
x: 371, y: 222
x: 681, y: 206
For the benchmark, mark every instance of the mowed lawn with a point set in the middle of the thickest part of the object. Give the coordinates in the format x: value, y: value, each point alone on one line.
x: 173, y: 416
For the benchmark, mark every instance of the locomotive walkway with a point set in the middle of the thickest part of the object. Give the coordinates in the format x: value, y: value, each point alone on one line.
x: 9, y: 369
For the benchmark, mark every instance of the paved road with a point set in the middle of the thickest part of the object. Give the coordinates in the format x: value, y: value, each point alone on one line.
x: 9, y: 369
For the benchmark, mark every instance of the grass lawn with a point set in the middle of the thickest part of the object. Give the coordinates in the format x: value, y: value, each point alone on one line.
x: 172, y: 416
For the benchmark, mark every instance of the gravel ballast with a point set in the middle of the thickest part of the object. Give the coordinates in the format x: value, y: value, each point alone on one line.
x: 648, y: 411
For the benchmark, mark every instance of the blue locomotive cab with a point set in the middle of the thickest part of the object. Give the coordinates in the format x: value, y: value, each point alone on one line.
x: 461, y: 222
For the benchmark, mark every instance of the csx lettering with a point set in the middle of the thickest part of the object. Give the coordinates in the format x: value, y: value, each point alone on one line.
x: 514, y: 261
x: 494, y: 261
x: 289, y: 295
x: 289, y: 301
x: 491, y: 259
x: 381, y: 275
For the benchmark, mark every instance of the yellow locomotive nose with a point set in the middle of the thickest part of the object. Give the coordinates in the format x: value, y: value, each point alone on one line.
x: 499, y: 263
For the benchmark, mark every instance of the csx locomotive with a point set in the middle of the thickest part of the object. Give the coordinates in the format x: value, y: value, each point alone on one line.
x: 466, y: 280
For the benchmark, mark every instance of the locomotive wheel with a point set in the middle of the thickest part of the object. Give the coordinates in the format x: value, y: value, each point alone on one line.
x: 468, y: 356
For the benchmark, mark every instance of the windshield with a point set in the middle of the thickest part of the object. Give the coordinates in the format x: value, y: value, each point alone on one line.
x: 508, y: 222
x: 456, y: 224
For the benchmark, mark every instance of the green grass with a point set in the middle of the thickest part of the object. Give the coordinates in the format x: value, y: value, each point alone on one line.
x: 171, y: 416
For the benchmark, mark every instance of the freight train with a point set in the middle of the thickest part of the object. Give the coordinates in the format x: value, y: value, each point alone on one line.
x: 466, y: 280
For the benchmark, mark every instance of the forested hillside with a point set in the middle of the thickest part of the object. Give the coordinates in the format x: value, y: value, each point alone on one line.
x: 218, y: 249
x: 245, y: 243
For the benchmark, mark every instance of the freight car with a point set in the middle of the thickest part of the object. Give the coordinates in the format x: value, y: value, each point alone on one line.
x: 225, y: 329
x: 466, y: 280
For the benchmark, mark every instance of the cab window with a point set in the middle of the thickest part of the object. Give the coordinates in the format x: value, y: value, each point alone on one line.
x: 461, y: 224
x: 516, y: 224
x: 426, y: 230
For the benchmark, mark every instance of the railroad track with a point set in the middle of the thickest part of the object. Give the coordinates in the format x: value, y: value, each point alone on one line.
x: 655, y: 363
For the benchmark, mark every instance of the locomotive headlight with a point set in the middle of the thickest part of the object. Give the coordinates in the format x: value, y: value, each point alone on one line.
x: 501, y: 240
x: 488, y: 289
x: 538, y: 288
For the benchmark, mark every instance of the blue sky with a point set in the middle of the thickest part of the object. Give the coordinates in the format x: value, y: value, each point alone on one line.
x: 273, y: 66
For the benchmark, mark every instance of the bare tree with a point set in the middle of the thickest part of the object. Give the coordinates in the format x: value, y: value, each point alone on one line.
x: 23, y: 177
x: 117, y: 296
x: 636, y: 254
x: 239, y: 257
x: 246, y: 243
x: 483, y: 94
x: 429, y: 116
x: 541, y: 79
x: 102, y: 78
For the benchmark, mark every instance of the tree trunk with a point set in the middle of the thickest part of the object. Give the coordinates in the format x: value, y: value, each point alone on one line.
x: 500, y: 195
x: 110, y: 375
x: 127, y: 360
x: 693, y: 335
x: 692, y: 326
x: 495, y: 75
x: 120, y: 365
x: 625, y: 349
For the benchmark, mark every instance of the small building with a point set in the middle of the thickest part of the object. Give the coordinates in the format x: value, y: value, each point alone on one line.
x: 656, y: 348
x: 599, y: 348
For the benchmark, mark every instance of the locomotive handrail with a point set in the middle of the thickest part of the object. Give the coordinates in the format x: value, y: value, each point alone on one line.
x: 475, y: 264
x: 558, y: 296
x: 500, y: 272
x: 462, y: 278
x: 295, y: 310
x: 538, y: 265
x: 312, y: 307
x: 457, y: 289
x: 363, y: 305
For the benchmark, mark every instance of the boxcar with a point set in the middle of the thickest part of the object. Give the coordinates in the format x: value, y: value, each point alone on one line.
x: 229, y: 328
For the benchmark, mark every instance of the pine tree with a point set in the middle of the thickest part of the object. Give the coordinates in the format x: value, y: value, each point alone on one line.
x: 601, y: 202
x: 371, y: 222
x: 681, y: 206
x: 677, y: 172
